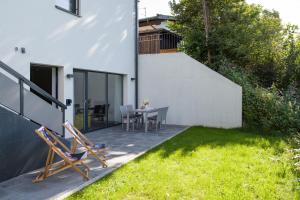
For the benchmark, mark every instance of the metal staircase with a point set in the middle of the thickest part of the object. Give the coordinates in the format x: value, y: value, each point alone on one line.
x: 21, y: 112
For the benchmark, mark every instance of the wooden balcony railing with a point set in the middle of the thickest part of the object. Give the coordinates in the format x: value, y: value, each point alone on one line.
x: 159, y: 43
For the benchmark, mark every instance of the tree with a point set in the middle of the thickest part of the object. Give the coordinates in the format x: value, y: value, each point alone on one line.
x: 241, y: 35
x: 206, y: 19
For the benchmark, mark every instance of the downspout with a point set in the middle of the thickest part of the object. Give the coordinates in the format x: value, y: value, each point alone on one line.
x: 136, y: 54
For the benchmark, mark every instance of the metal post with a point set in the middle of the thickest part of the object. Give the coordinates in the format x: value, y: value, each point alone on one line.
x: 21, y: 97
x: 63, y: 120
x: 106, y: 104
x: 136, y: 53
x: 86, y: 103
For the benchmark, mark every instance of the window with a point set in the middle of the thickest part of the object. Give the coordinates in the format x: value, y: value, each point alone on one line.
x: 70, y: 6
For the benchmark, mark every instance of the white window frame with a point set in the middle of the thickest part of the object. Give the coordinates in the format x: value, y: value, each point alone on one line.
x: 77, y: 8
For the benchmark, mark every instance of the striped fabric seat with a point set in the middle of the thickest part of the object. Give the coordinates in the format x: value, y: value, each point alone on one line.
x: 96, y: 150
x: 71, y: 156
x: 68, y: 160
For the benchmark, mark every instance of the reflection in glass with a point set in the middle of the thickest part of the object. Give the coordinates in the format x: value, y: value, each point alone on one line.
x: 115, y: 99
x: 97, y: 100
x: 79, y: 99
x: 97, y: 106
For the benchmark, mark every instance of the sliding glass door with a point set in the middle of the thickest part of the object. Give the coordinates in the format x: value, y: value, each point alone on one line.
x: 115, y: 98
x: 98, y: 97
x: 79, y: 99
x: 97, y: 100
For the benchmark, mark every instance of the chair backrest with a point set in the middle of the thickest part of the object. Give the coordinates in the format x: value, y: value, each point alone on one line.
x: 126, y: 109
x: 57, y: 146
x: 99, y: 109
x: 70, y: 128
x: 162, y: 114
x: 130, y: 108
x: 77, y: 135
x: 123, y: 110
x: 51, y: 139
x: 45, y: 134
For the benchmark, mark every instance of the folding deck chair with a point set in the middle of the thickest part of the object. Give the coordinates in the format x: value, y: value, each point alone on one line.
x: 69, y: 159
x: 98, y: 151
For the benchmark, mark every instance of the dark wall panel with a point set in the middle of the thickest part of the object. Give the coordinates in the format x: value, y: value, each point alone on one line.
x: 21, y: 150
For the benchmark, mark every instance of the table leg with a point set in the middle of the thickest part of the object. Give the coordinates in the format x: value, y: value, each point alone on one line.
x: 127, y: 122
x: 146, y: 122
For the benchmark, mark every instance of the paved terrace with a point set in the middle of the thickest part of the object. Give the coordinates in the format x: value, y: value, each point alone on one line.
x: 124, y: 147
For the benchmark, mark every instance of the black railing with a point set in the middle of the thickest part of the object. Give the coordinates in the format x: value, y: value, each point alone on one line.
x: 159, y: 43
x: 37, y: 90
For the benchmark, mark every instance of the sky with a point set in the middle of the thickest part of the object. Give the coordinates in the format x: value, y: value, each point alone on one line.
x: 288, y: 9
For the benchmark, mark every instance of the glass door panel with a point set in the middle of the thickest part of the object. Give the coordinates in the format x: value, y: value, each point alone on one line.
x: 97, y: 100
x: 115, y: 99
x: 79, y: 99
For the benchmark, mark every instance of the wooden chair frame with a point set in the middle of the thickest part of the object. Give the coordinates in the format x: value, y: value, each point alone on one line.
x: 52, y: 168
x: 81, y: 139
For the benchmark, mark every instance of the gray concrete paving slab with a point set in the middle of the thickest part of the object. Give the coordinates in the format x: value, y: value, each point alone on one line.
x: 123, y: 147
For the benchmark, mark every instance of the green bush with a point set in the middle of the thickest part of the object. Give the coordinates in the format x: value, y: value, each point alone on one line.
x: 263, y: 108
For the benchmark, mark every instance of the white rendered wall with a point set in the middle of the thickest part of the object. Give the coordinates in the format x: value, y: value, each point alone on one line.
x: 101, y: 40
x: 195, y: 94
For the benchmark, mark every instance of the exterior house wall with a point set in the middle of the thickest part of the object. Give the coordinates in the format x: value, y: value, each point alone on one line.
x: 102, y: 39
x: 195, y: 94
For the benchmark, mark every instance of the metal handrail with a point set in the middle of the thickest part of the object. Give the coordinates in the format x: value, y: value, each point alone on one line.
x: 32, y: 85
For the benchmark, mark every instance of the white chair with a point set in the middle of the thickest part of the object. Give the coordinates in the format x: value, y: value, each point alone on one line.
x: 139, y: 117
x: 160, y: 118
x: 128, y: 117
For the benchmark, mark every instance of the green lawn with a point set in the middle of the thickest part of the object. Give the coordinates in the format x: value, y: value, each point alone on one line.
x: 204, y: 163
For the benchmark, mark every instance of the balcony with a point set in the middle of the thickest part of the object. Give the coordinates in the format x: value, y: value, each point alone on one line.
x: 159, y: 43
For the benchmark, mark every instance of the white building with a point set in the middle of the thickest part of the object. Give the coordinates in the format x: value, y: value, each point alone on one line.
x: 84, y: 51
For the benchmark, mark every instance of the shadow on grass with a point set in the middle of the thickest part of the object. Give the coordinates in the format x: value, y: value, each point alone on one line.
x: 193, y: 138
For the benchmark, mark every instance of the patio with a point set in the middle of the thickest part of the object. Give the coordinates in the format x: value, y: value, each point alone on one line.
x: 124, y: 147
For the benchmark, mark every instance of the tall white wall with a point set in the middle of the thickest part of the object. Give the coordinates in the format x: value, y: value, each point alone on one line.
x: 102, y: 39
x: 195, y: 94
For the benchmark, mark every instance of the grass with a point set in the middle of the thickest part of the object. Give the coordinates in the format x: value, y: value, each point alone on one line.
x: 204, y: 163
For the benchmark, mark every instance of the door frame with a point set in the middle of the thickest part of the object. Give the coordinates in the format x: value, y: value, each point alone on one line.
x: 57, y: 82
x: 85, y: 72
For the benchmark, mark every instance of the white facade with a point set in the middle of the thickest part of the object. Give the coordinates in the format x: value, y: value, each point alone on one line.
x: 102, y: 39
x: 195, y: 94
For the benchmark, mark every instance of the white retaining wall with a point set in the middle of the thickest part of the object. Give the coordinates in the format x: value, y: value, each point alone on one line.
x: 195, y: 94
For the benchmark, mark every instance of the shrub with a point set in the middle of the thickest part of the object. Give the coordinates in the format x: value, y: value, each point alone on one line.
x: 266, y: 109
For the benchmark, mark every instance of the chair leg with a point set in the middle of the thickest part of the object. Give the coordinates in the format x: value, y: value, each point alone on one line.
x: 141, y: 122
x: 138, y: 123
x: 133, y: 122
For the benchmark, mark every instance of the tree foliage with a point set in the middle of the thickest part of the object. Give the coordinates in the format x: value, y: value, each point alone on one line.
x: 263, y: 108
x: 252, y: 47
x: 244, y: 35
